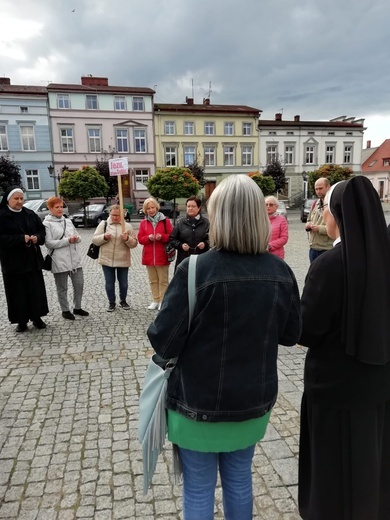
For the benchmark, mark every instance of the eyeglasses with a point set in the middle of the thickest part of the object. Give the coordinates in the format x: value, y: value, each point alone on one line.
x: 269, y: 204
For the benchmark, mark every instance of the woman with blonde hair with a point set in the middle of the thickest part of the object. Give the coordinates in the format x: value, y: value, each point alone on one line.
x: 154, y: 232
x: 279, y: 228
x: 224, y: 386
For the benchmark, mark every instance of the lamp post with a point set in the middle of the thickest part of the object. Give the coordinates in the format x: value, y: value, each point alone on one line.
x: 56, y: 178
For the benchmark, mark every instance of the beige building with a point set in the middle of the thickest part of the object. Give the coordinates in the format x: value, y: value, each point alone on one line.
x: 222, y: 138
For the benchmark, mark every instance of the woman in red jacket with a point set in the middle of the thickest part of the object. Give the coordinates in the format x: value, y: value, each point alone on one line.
x: 279, y: 228
x: 153, y: 234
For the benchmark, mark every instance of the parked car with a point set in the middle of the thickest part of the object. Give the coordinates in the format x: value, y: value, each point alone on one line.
x: 166, y: 207
x: 305, y: 209
x: 95, y: 214
x: 40, y: 208
x: 282, y: 210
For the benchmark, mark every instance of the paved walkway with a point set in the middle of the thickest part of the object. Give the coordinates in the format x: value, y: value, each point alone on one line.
x: 69, y: 409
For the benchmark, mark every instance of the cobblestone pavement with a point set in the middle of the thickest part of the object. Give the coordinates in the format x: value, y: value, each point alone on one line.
x: 69, y: 410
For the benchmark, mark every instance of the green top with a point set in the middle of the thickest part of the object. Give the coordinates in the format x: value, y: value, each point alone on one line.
x: 216, y: 437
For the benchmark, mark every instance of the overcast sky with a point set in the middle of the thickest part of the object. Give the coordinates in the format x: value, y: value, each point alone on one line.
x: 319, y: 59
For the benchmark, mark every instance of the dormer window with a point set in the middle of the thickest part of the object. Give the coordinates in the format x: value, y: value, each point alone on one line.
x: 24, y: 110
x: 386, y: 162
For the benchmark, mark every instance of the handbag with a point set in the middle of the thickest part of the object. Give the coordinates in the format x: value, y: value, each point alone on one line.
x: 170, y: 251
x: 152, y: 425
x: 48, y: 261
x: 93, y: 251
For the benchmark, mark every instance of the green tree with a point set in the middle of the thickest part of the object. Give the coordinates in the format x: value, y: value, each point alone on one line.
x: 173, y: 183
x: 9, y: 174
x: 82, y: 185
x: 102, y: 166
x: 264, y: 182
x: 197, y: 171
x: 277, y: 171
x: 333, y: 172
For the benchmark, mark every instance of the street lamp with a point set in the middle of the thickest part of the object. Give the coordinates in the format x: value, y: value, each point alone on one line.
x: 56, y: 178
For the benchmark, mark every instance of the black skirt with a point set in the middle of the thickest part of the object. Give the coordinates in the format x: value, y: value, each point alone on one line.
x: 26, y: 296
x: 344, y: 462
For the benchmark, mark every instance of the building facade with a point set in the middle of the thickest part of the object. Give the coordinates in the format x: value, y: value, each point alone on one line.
x: 376, y: 167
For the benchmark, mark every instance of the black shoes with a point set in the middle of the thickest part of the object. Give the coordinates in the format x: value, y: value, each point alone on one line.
x: 124, y: 305
x: 39, y: 324
x: 68, y: 315
x: 80, y: 312
x: 111, y: 307
x: 22, y: 327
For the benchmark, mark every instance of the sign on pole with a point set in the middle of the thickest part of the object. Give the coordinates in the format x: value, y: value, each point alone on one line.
x: 118, y: 166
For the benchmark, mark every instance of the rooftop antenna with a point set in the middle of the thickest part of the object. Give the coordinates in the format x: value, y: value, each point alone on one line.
x: 209, y: 94
x: 192, y: 87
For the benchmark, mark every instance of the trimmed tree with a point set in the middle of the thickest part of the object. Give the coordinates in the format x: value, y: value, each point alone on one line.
x: 333, y: 172
x: 277, y: 171
x: 172, y: 184
x: 9, y: 174
x: 82, y: 185
x: 197, y: 171
x: 264, y: 182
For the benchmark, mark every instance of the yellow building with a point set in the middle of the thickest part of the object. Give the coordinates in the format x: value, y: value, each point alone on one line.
x: 222, y: 138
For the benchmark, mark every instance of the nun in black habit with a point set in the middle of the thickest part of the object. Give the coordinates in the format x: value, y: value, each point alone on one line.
x: 344, y: 456
x: 21, y: 235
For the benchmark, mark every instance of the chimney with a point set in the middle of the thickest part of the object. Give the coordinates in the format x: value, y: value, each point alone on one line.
x: 297, y: 118
x: 93, y: 81
x: 368, y: 144
x: 206, y: 101
x: 189, y: 100
x: 278, y: 117
x: 5, y: 81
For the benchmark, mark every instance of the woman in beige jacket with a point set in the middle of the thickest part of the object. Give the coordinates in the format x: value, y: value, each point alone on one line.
x: 114, y: 255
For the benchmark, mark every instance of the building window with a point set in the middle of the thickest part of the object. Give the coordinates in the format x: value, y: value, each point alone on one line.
x: 347, y: 154
x: 67, y: 141
x: 228, y: 156
x: 189, y: 128
x: 142, y: 176
x: 169, y: 128
x: 309, y: 154
x: 330, y: 133
x: 28, y: 139
x: 120, y: 103
x: 189, y: 155
x: 272, y: 133
x: 91, y: 102
x: 246, y: 128
x: 310, y: 133
x: 32, y: 179
x: 247, y: 155
x: 138, y: 104
x: 348, y: 133
x: 170, y: 156
x: 209, y: 155
x: 94, y: 140
x: 290, y: 133
x: 330, y: 153
x: 272, y: 153
x: 229, y: 129
x: 3, y: 138
x: 24, y: 110
x: 140, y: 140
x: 63, y: 101
x: 209, y: 128
x: 386, y: 162
x: 122, y: 140
x: 289, y: 154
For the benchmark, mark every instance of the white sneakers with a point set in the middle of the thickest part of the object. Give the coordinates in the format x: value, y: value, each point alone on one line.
x: 154, y: 306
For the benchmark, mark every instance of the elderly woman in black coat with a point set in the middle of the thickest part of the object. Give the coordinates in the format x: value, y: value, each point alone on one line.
x: 21, y: 235
x: 190, y: 236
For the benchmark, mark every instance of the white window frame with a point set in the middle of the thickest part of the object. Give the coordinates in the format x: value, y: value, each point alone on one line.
x: 138, y: 104
x: 169, y: 128
x: 94, y: 135
x: 310, y: 152
x: 189, y: 153
x: 189, y: 128
x: 122, y: 140
x: 3, y: 138
x: 91, y: 102
x: 209, y: 128
x: 229, y: 155
x: 289, y: 154
x: 330, y: 153
x: 209, y: 155
x: 67, y: 139
x: 246, y: 128
x: 27, y: 138
x: 142, y: 176
x: 63, y: 101
x: 120, y: 103
x: 228, y: 128
x: 272, y: 152
x: 171, y: 153
x: 32, y: 180
x: 348, y: 153
x: 140, y: 144
x: 247, y: 155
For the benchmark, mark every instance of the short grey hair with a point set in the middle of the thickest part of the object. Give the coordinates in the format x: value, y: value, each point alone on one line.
x: 272, y: 199
x: 238, y: 218
x: 148, y: 201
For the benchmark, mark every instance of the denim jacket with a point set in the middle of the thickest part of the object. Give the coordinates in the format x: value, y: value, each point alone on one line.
x: 245, y: 306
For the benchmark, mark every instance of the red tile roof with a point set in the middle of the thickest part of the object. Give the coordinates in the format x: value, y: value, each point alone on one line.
x: 66, y: 87
x: 375, y: 162
x: 23, y: 89
x: 207, y: 108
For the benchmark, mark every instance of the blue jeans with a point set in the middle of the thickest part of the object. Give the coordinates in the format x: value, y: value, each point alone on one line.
x: 122, y: 276
x: 200, y: 478
x: 313, y: 254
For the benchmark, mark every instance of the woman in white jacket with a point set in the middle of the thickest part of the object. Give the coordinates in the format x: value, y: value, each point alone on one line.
x: 114, y: 255
x: 63, y: 240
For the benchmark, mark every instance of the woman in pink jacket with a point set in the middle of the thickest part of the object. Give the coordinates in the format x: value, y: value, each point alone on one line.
x: 279, y: 228
x: 154, y: 232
